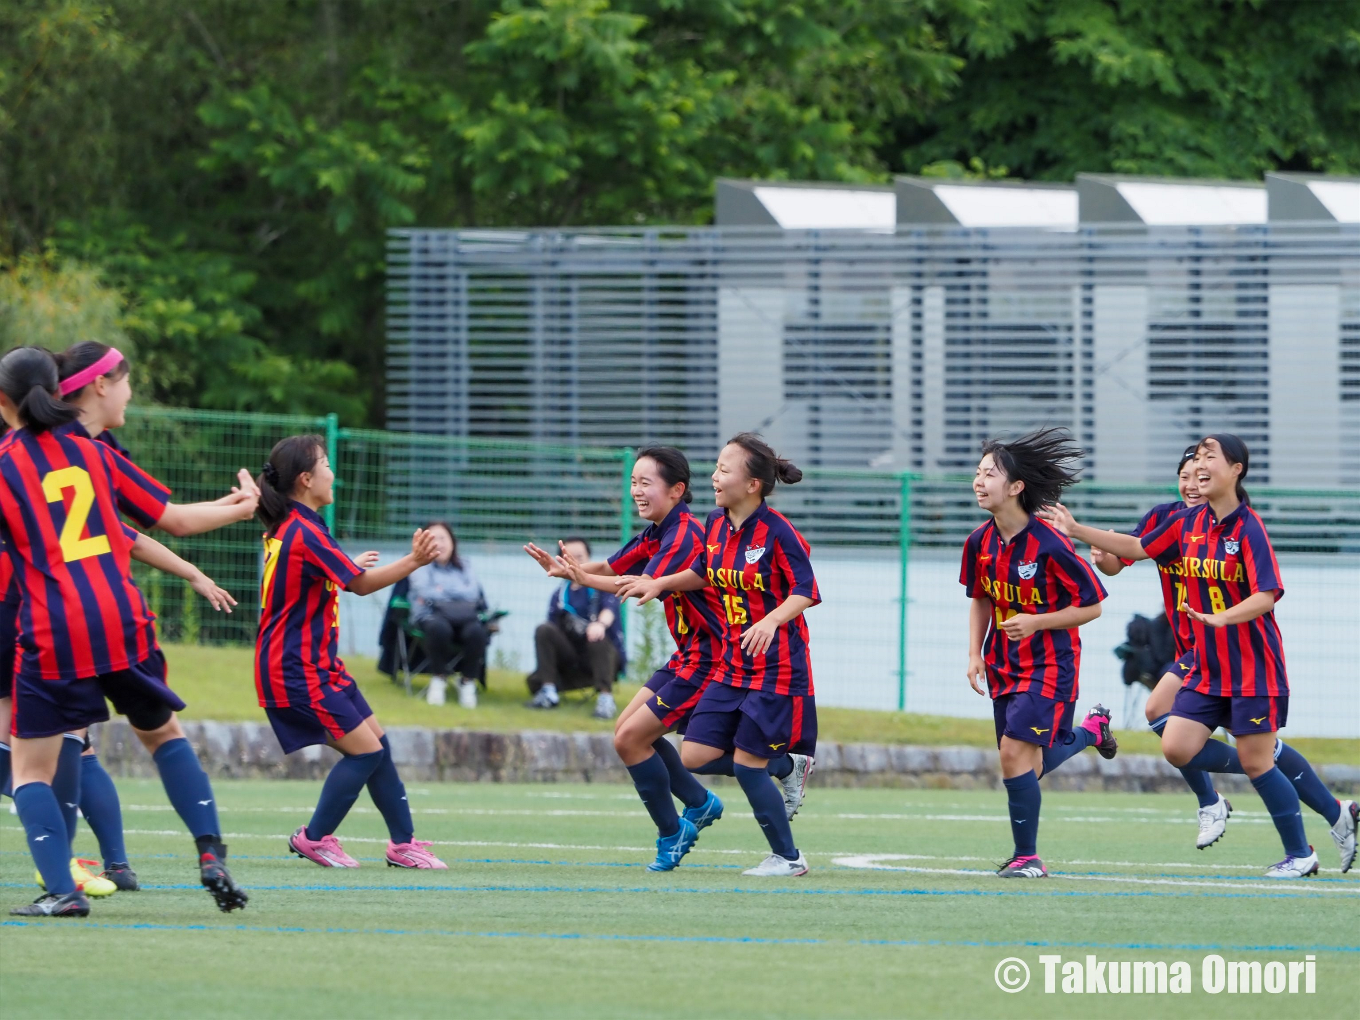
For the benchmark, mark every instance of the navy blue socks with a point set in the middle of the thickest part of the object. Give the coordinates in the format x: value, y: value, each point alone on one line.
x: 340, y: 791
x: 653, y: 782
x: 1077, y: 741
x: 691, y: 792
x: 1310, y: 789
x: 187, y: 786
x: 99, y: 804
x: 768, y: 805
x: 389, y: 796
x: 4, y: 769
x: 1197, y: 779
x: 1216, y: 756
x: 47, y: 840
x: 1023, y: 799
x: 724, y: 764
x: 1282, y: 801
x: 66, y: 783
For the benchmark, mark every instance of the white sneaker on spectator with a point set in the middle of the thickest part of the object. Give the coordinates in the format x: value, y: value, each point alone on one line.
x: 604, y: 706
x: 434, y: 694
x: 467, y: 694
x: 545, y: 698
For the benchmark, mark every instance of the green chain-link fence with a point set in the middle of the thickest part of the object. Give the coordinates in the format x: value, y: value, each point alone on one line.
x: 891, y: 632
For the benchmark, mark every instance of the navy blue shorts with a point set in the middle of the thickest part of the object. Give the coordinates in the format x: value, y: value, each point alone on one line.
x: 43, y: 708
x: 757, y: 722
x: 341, y: 710
x: 1238, y: 715
x: 1029, y: 716
x: 673, y: 699
x: 9, y: 646
x: 1184, y: 667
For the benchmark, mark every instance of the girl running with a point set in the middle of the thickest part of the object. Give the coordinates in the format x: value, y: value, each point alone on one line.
x: 756, y: 575
x: 1231, y: 582
x: 671, y: 543
x: 302, y: 684
x: 84, y: 630
x: 1030, y: 592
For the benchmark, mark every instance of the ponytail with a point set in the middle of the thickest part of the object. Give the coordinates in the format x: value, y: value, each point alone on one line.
x: 763, y: 464
x: 28, y: 376
x: 672, y: 465
x: 1234, y: 452
x: 290, y: 458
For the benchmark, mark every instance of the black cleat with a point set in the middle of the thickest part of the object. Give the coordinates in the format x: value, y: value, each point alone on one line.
x: 218, y: 881
x: 1106, y: 745
x: 73, y: 904
x: 123, y: 877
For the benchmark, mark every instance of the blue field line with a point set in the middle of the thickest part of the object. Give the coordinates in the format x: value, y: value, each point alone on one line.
x: 680, y: 890
x: 718, y: 939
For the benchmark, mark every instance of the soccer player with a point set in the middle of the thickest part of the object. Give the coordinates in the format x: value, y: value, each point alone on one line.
x: 302, y: 684
x: 755, y: 566
x: 1231, y: 584
x: 669, y: 544
x: 85, y: 632
x: 1030, y: 592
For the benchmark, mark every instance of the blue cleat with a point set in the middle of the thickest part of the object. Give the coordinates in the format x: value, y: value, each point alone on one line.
x: 705, y: 814
x: 669, y: 849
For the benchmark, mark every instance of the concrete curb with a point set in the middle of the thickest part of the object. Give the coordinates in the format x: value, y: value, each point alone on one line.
x: 248, y: 750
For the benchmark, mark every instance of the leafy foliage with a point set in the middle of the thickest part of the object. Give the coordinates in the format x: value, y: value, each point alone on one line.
x: 231, y: 168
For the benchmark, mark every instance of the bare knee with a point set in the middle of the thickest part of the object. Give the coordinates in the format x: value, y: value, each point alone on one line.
x: 694, y: 756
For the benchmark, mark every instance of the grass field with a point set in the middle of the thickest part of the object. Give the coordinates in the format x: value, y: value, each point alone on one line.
x: 547, y: 911
x: 218, y: 683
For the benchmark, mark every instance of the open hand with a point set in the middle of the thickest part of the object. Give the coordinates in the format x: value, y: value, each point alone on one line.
x: 368, y: 559
x: 1020, y: 626
x: 542, y: 557
x: 977, y: 674
x: 1058, y: 516
x: 759, y: 636
x: 219, y: 598
x: 1208, y: 619
x: 644, y: 589
x: 424, y: 548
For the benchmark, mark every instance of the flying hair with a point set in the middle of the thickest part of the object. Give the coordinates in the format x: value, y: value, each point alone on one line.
x: 763, y: 464
x: 1046, y: 460
x: 1234, y: 452
x: 672, y: 464
x: 28, y: 376
x: 289, y: 460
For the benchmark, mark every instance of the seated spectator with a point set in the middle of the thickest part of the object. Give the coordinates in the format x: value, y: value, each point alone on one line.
x: 446, y: 600
x: 581, y: 645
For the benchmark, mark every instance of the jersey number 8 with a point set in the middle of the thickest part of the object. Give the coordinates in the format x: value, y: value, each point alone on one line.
x: 73, y: 546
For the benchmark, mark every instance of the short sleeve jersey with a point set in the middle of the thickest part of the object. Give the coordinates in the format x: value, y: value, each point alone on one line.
x: 668, y: 548
x: 80, y: 615
x: 1173, y: 589
x: 1037, y: 571
x: 297, y: 648
x: 1222, y: 563
x: 751, y: 571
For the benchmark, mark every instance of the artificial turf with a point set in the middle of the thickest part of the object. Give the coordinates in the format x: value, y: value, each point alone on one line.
x: 547, y: 910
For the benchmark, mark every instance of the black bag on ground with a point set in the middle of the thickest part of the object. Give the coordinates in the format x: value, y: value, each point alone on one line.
x: 1148, y: 650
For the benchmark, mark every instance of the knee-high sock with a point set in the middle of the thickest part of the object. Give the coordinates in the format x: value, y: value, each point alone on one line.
x: 187, y: 786
x: 1310, y: 788
x: 1197, y: 779
x: 4, y: 770
x: 99, y: 804
x: 1023, y: 800
x: 40, y: 815
x: 1216, y: 756
x: 389, y: 797
x: 691, y: 792
x: 768, y: 805
x: 1282, y: 801
x: 723, y: 766
x: 66, y: 784
x: 653, y: 782
x: 340, y: 791
x: 1077, y: 741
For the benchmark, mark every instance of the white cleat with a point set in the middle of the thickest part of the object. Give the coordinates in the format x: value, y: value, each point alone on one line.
x: 1213, y: 820
x: 1343, y: 833
x: 794, y: 784
x: 775, y: 866
x: 1295, y: 867
x: 434, y: 694
x: 467, y: 694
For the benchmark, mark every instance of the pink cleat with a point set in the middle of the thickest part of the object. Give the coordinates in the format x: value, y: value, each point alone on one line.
x: 325, y: 851
x: 413, y: 855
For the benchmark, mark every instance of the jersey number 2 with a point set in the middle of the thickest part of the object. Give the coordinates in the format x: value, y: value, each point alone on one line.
x: 73, y: 547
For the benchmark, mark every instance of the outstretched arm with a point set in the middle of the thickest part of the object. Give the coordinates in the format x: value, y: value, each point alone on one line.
x: 423, y: 551
x: 1125, y: 546
x: 645, y: 588
x: 147, y: 550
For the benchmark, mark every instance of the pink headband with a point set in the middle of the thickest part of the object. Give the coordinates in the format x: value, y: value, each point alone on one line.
x: 88, y: 375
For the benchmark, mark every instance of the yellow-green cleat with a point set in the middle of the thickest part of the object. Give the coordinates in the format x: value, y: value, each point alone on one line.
x: 86, y: 880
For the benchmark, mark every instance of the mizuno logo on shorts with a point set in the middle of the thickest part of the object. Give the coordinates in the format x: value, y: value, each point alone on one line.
x: 661, y: 703
x: 776, y: 747
x: 1038, y: 731
x: 1260, y: 720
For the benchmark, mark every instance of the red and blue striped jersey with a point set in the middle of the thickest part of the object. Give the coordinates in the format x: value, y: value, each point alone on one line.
x: 668, y: 548
x: 9, y: 586
x: 751, y: 571
x: 1223, y: 563
x: 297, y: 648
x: 80, y: 615
x: 1173, y: 589
x: 1037, y: 571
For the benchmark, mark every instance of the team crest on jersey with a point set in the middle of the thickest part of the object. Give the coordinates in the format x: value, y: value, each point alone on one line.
x: 1027, y: 570
x: 1231, y: 547
x: 754, y: 555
